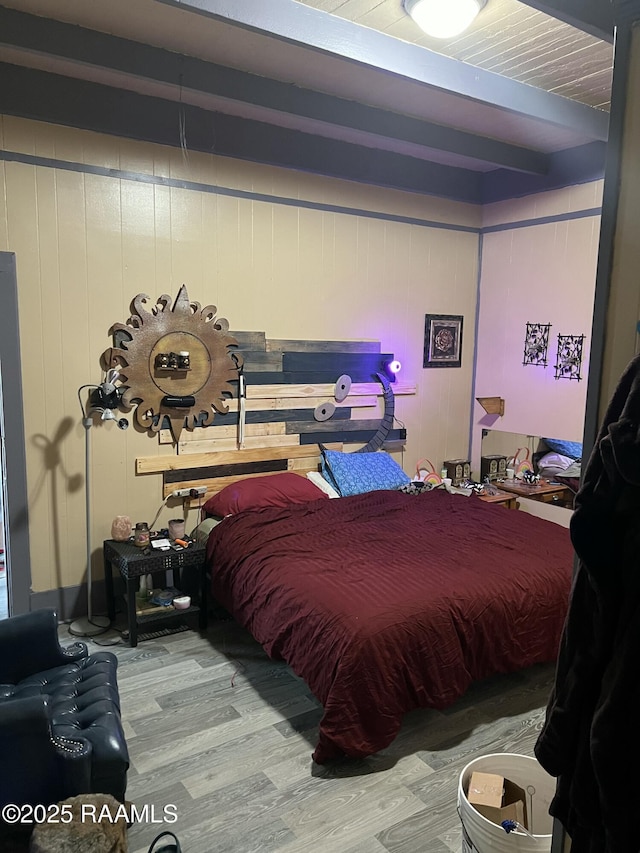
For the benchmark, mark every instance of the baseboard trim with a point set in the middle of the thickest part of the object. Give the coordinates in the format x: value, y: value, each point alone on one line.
x: 70, y: 602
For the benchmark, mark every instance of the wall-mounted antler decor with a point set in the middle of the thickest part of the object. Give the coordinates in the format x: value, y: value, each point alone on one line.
x: 174, y: 361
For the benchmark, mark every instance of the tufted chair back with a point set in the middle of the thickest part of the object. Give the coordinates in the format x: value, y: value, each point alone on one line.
x: 60, y: 727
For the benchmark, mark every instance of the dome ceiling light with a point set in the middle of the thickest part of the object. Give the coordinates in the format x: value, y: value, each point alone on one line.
x: 443, y: 18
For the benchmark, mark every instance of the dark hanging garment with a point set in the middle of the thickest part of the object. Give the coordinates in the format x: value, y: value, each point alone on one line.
x: 591, y: 736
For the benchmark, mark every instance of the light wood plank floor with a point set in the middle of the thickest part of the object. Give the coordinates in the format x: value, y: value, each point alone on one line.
x: 223, y: 733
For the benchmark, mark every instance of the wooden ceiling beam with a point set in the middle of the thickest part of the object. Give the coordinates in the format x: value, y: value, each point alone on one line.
x: 595, y: 17
x: 289, y: 21
x: 139, y: 67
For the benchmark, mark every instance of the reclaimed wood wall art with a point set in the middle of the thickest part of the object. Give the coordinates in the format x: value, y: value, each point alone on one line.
x: 286, y: 380
x: 234, y: 404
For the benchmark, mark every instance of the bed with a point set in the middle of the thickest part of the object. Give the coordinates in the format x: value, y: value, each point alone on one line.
x: 560, y: 461
x: 385, y: 601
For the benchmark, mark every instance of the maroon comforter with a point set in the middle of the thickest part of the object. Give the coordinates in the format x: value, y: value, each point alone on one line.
x: 385, y: 602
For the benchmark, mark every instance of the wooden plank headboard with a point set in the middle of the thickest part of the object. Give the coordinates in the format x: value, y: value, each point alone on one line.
x: 216, y: 470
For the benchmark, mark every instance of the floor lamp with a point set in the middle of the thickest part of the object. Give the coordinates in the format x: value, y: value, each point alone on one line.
x: 103, y: 399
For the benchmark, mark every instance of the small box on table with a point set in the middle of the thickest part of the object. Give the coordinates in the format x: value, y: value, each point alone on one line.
x: 458, y: 470
x: 493, y: 467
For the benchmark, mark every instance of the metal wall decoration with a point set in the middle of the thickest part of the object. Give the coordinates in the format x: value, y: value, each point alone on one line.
x: 282, y: 432
x: 569, y: 357
x: 277, y: 413
x: 324, y: 411
x: 327, y: 410
x: 536, y: 344
x: 376, y: 441
x: 195, y: 389
x: 442, y: 340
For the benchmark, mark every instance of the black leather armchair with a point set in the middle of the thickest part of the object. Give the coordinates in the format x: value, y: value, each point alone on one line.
x: 60, y: 727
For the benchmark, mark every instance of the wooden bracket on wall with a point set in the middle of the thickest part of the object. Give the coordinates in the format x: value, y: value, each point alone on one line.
x: 492, y: 405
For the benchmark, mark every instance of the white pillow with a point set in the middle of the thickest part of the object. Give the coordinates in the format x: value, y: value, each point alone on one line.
x: 318, y: 480
x: 554, y: 462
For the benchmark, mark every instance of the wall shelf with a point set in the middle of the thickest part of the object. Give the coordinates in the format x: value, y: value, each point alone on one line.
x: 492, y: 405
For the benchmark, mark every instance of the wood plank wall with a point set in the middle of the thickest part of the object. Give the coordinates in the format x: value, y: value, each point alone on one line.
x: 285, y: 381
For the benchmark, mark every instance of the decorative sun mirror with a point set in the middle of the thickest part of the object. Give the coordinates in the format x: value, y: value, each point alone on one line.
x: 174, y: 361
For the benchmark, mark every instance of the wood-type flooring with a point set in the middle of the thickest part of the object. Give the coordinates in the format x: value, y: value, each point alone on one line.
x: 223, y: 736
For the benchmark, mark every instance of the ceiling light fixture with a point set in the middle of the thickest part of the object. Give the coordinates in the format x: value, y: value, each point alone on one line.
x: 443, y: 18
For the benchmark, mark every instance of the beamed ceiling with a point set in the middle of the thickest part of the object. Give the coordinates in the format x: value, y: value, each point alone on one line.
x: 348, y: 88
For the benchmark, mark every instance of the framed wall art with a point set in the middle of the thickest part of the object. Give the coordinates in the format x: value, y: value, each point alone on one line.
x: 443, y: 340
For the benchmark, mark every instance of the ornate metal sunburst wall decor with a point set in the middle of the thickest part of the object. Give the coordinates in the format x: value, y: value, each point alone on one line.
x: 536, y: 344
x: 569, y: 357
x: 174, y: 361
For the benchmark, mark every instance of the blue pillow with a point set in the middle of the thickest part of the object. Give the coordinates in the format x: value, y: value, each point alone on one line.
x: 355, y: 473
x: 572, y: 449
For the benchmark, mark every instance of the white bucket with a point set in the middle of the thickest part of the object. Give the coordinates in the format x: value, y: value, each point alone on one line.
x: 480, y: 835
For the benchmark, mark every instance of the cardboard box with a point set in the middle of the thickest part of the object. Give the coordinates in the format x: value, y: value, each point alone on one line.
x: 497, y: 798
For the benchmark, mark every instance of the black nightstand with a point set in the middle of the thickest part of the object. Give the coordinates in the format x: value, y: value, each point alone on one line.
x: 132, y: 563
